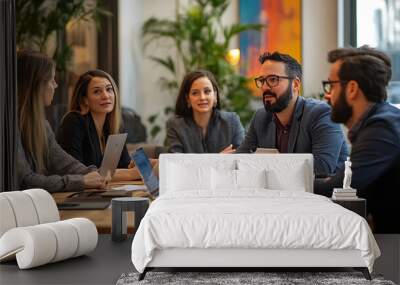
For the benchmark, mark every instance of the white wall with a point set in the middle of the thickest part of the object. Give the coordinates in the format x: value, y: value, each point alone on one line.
x: 156, y: 99
x: 320, y: 30
x: 129, y: 46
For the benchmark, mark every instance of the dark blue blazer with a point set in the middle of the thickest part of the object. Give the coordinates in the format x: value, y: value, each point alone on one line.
x: 311, y: 131
x: 375, y: 157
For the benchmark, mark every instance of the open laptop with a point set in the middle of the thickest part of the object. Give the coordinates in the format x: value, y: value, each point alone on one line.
x: 146, y: 171
x: 90, y: 200
x: 112, y: 154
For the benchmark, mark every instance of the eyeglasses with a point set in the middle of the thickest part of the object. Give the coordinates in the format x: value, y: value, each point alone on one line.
x: 327, y: 85
x: 271, y: 80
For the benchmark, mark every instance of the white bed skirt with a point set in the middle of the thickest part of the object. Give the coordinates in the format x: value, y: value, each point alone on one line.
x: 235, y: 257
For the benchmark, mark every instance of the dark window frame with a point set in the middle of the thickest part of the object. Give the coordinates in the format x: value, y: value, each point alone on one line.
x: 350, y: 23
x: 8, y: 97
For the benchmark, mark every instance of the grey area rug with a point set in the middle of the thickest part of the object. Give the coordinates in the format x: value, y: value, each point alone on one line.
x: 272, y: 278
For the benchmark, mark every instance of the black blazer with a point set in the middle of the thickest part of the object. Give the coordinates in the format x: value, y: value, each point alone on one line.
x: 77, y: 135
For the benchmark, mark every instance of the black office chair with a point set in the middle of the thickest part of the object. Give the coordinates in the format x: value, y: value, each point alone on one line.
x: 132, y: 125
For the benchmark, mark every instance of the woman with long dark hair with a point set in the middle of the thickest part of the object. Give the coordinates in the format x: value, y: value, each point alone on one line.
x: 199, y: 126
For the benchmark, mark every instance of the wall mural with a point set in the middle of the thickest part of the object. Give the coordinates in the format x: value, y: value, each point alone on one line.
x: 282, y: 33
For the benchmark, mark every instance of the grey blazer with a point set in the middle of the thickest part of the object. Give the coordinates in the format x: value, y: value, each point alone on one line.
x: 63, y: 172
x: 311, y: 131
x: 184, y: 136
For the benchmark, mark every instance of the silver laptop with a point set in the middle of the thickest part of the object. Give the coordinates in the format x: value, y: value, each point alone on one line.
x: 112, y: 154
x: 266, y: 150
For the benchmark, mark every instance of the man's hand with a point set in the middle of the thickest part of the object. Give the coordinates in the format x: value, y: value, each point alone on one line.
x: 228, y: 149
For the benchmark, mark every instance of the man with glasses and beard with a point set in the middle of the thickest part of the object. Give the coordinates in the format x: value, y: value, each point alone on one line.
x: 356, y: 90
x: 291, y: 123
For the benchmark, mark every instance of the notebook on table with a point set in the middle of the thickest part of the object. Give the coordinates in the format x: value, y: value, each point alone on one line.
x: 88, y: 205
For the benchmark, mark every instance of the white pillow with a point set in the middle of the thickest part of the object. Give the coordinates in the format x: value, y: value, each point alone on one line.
x: 226, y: 179
x: 223, y: 179
x: 281, y: 173
x: 188, y: 177
x: 291, y: 179
x: 251, y: 178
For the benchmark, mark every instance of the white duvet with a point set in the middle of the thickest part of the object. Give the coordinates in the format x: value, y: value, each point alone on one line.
x: 250, y: 219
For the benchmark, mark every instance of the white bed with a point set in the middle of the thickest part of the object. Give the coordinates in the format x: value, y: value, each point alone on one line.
x: 247, y: 211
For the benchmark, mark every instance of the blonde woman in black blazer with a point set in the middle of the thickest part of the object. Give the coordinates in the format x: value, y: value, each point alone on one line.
x: 94, y: 114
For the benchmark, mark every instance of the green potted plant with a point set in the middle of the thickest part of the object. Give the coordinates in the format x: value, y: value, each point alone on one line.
x: 41, y: 25
x: 38, y: 21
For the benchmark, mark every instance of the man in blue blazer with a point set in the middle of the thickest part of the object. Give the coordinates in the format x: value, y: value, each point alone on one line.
x: 356, y: 89
x: 291, y: 123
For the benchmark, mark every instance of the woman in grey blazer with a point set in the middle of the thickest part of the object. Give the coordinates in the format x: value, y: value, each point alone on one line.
x: 199, y: 126
x: 42, y: 162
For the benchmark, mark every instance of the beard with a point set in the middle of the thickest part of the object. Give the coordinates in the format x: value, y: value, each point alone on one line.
x: 341, y: 111
x: 281, y: 103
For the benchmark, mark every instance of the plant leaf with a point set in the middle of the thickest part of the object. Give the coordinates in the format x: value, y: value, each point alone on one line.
x: 155, y: 130
x: 168, y: 63
x: 152, y: 118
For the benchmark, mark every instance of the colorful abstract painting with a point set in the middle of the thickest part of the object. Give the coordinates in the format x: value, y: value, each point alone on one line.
x: 282, y: 19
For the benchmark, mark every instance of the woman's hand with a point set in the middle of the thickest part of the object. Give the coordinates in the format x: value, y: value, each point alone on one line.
x: 126, y: 174
x: 94, y: 180
x: 132, y: 173
x: 153, y: 161
x: 228, y: 149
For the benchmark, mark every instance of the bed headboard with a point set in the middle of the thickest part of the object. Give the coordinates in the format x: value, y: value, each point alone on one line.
x: 283, y: 171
